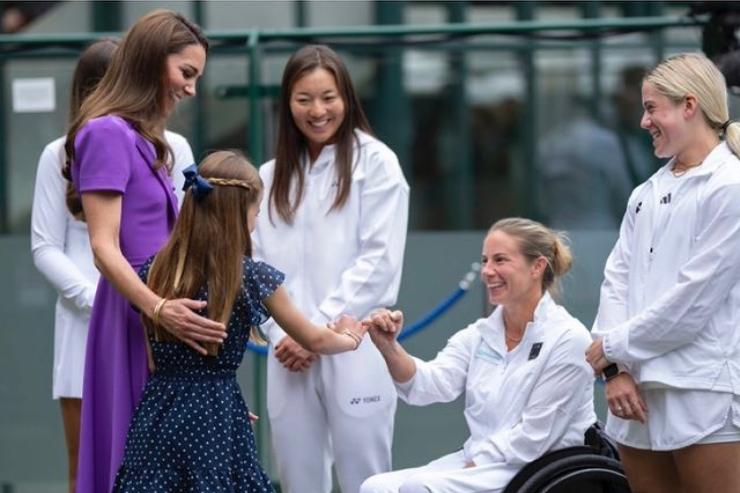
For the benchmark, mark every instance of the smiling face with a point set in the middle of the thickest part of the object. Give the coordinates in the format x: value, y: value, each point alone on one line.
x: 184, y: 68
x: 509, y: 276
x: 665, y: 120
x: 317, y: 108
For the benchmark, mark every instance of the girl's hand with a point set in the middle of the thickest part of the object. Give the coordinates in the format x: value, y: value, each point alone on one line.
x: 292, y: 355
x: 253, y: 418
x: 596, y: 357
x: 180, y: 319
x: 345, y: 324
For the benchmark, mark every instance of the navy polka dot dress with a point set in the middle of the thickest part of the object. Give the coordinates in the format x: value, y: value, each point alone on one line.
x: 191, y: 431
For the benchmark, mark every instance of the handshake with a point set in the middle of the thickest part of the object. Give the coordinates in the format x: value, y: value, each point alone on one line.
x: 383, y: 326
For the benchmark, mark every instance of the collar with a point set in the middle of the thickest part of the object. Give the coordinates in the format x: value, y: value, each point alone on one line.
x: 711, y: 163
x: 492, y: 331
x: 328, y: 153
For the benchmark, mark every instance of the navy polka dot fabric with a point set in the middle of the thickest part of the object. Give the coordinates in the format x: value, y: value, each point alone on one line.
x: 191, y: 431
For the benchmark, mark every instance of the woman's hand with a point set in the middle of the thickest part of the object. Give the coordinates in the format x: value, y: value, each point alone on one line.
x: 596, y: 357
x: 180, y: 319
x: 624, y: 399
x: 384, y: 327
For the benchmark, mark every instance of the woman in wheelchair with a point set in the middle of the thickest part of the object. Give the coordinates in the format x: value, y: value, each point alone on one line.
x: 527, y: 387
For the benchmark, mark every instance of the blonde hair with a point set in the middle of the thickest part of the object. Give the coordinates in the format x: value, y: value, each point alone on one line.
x: 693, y: 73
x: 537, y: 240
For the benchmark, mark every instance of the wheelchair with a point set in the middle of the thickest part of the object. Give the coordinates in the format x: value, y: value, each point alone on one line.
x: 590, y: 468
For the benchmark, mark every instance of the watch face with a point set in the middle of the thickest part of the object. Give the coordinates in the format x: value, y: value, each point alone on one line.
x: 610, y: 371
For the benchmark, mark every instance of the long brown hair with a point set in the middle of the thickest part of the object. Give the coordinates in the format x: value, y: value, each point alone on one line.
x: 210, y: 240
x: 90, y: 69
x: 291, y: 143
x: 135, y: 86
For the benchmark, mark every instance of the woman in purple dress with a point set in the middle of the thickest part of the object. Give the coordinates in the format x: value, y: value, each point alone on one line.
x: 119, y: 163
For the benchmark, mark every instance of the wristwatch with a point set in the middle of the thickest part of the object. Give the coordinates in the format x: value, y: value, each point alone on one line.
x: 610, y: 372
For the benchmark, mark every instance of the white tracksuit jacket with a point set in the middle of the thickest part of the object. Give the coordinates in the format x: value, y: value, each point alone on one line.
x: 670, y: 300
x: 519, y: 404
x: 345, y: 261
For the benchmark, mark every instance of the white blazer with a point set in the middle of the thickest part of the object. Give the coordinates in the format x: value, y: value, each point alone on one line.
x: 61, y: 252
x: 670, y: 300
x: 518, y: 404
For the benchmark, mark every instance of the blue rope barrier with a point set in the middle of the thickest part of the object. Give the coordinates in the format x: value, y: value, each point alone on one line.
x: 422, y: 322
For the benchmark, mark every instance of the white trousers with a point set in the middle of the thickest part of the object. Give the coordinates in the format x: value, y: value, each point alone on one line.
x: 339, y: 411
x: 444, y: 475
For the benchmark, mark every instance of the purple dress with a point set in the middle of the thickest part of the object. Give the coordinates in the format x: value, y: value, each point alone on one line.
x: 111, y: 156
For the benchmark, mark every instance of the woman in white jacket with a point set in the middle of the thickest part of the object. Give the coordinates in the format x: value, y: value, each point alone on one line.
x: 334, y: 221
x: 527, y: 389
x: 61, y: 250
x: 666, y: 331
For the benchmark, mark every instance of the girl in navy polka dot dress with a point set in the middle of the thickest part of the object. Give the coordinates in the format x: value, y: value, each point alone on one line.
x: 191, y: 431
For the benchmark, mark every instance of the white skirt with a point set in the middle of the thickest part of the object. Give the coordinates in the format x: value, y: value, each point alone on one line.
x: 677, y: 418
x: 70, y: 341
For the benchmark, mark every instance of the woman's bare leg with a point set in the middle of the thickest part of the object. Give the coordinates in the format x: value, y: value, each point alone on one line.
x: 706, y: 468
x: 71, y: 411
x: 649, y: 471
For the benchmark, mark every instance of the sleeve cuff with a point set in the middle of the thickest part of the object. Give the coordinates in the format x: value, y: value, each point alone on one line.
x: 404, y: 388
x: 616, y: 344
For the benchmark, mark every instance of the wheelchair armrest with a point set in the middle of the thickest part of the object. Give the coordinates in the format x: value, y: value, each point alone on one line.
x: 602, y: 444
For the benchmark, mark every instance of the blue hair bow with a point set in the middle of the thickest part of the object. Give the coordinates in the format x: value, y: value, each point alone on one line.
x: 200, y: 185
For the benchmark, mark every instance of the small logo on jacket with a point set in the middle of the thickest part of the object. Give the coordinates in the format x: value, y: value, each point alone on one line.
x: 364, y: 400
x: 535, y: 351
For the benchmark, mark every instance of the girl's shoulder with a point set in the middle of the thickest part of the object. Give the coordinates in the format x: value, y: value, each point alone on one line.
x: 144, y: 269
x: 260, y: 278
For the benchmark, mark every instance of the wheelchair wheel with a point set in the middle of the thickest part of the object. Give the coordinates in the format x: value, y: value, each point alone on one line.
x: 533, y: 468
x: 586, y: 473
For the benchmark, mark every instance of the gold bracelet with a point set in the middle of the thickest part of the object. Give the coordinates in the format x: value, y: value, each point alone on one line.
x: 158, y: 310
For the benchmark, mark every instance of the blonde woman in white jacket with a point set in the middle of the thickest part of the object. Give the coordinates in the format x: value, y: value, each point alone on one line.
x: 666, y: 333
x: 334, y: 221
x: 527, y: 388
x: 61, y: 250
